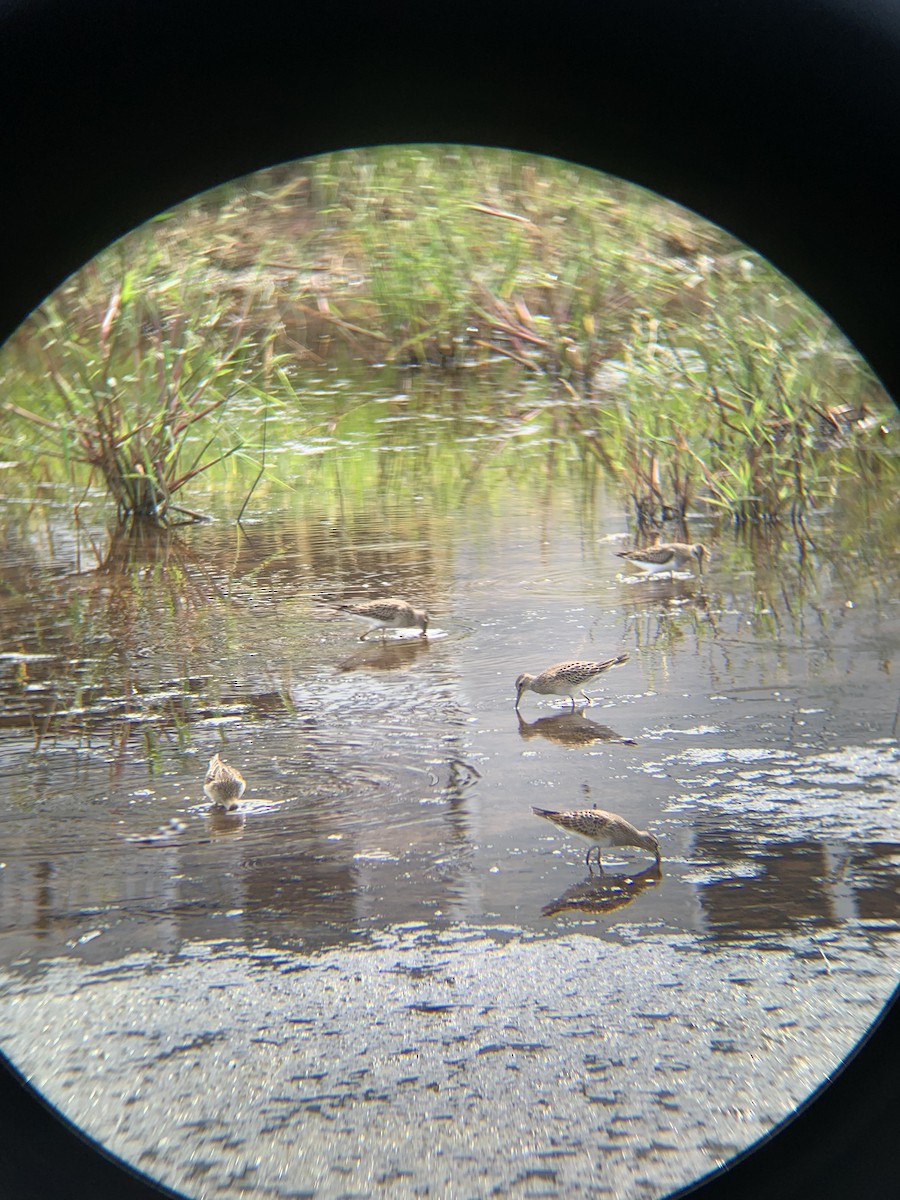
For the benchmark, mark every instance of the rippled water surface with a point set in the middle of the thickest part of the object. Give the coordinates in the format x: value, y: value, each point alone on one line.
x: 384, y: 915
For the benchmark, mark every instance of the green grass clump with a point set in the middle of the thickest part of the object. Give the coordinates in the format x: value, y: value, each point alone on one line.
x: 675, y: 359
x: 127, y: 394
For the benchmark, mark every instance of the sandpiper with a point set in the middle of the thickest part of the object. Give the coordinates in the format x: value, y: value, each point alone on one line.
x: 223, y: 784
x: 666, y: 557
x: 601, y: 829
x: 387, y: 614
x: 565, y: 679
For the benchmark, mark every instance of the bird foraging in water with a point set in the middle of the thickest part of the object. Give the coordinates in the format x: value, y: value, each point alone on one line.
x: 602, y: 830
x: 223, y: 784
x: 666, y: 557
x: 386, y: 614
x: 565, y: 679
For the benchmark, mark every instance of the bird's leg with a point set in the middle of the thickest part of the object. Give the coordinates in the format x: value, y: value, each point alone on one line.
x: 589, y: 700
x: 587, y: 859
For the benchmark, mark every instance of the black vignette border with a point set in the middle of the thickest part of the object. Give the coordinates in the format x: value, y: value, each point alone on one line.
x: 779, y: 122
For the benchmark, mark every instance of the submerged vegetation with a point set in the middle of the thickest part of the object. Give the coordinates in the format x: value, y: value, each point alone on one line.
x: 680, y: 362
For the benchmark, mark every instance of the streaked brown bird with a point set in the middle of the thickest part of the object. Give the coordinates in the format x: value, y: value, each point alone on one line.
x: 565, y: 679
x: 223, y: 784
x: 388, y: 613
x: 667, y: 557
x: 604, y: 830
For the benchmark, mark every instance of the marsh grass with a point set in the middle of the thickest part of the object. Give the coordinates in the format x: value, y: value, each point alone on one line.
x: 674, y: 359
x: 127, y: 395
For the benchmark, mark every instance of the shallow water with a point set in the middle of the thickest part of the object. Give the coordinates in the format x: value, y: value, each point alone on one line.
x: 387, y: 820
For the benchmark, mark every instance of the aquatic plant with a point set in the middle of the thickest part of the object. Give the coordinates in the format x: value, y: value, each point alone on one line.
x: 129, y: 390
x: 673, y: 359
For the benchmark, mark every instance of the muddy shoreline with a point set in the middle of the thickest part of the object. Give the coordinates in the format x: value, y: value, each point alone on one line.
x: 429, y: 1062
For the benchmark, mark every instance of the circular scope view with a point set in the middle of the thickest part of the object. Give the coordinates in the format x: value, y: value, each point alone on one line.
x: 448, y: 711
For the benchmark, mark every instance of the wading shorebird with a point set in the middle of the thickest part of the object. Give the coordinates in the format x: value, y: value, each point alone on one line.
x: 386, y: 614
x: 223, y: 784
x: 602, y: 829
x: 666, y: 557
x: 565, y: 679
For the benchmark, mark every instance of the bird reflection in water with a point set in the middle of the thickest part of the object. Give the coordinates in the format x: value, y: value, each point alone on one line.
x: 605, y: 893
x: 396, y: 655
x: 224, y: 821
x: 571, y: 729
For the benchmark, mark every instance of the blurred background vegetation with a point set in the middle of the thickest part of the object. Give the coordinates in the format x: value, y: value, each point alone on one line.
x: 670, y: 357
